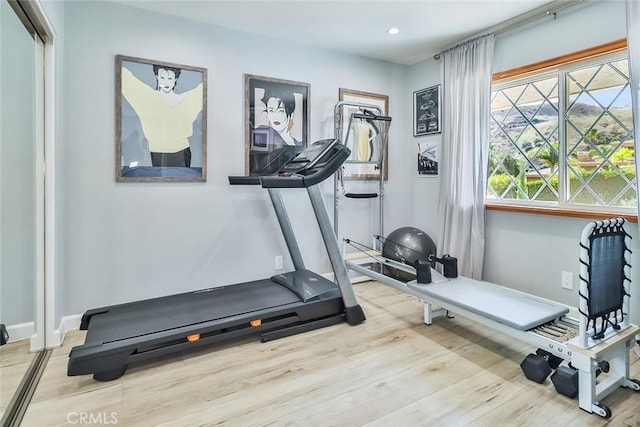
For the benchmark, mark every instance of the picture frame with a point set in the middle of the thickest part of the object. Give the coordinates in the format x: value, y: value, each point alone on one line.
x: 161, y: 121
x: 277, y: 122
x: 428, y: 158
x: 361, y: 171
x: 426, y: 111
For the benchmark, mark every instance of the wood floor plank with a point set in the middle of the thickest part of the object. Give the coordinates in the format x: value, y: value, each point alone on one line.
x: 15, y: 360
x: 390, y: 371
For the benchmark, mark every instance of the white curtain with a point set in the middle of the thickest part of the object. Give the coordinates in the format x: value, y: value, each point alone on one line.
x: 466, y: 88
x: 633, y: 44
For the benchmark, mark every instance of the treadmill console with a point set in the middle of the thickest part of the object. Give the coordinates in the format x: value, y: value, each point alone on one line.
x: 311, y: 166
x: 309, y: 157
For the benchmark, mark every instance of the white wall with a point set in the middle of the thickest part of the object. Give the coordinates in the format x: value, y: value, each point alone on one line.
x: 127, y: 241
x: 423, y: 203
x: 122, y: 242
x: 524, y: 251
x: 580, y: 27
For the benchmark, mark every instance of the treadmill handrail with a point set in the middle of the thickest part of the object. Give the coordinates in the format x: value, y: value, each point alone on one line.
x: 244, y: 180
x: 370, y: 117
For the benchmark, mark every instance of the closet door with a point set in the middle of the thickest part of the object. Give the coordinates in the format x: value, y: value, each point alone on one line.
x: 21, y: 200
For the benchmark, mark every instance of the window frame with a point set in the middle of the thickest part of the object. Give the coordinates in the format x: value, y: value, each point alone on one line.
x: 557, y: 67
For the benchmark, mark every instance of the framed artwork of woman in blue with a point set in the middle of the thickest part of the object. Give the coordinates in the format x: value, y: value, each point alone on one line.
x: 277, y: 122
x: 161, y: 121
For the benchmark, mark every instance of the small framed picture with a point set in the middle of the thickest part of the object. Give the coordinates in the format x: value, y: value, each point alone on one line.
x: 428, y: 159
x: 161, y: 121
x: 277, y: 122
x: 426, y: 111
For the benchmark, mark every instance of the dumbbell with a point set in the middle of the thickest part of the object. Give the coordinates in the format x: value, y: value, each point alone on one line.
x: 565, y: 378
x: 537, y: 367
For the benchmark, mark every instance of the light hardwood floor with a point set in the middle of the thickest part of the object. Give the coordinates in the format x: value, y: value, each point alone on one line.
x: 390, y: 371
x: 15, y: 359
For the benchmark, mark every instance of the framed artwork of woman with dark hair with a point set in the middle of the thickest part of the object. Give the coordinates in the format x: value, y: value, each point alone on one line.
x: 277, y: 122
x: 160, y: 121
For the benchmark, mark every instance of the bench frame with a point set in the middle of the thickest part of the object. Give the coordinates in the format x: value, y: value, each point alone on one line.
x: 584, y: 353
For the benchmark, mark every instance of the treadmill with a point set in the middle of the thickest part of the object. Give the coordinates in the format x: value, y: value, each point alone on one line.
x: 283, y: 305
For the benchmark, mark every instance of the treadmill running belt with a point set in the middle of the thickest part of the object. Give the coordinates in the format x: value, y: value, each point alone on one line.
x: 174, y: 311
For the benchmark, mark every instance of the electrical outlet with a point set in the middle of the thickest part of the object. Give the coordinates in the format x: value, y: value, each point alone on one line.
x: 279, y: 262
x: 567, y: 280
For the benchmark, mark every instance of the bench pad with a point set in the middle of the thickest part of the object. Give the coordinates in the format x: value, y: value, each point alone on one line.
x: 503, y: 305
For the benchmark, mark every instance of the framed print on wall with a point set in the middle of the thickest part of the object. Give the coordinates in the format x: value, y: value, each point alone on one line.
x: 428, y: 159
x: 277, y: 122
x: 426, y: 111
x: 161, y: 121
x: 361, y: 170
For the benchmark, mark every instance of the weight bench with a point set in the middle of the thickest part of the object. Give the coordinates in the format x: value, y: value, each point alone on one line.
x: 599, y: 340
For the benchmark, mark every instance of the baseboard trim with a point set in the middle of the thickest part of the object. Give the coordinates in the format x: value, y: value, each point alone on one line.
x: 67, y: 324
x: 20, y: 331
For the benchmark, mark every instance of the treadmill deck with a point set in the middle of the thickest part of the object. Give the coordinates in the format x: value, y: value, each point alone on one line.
x: 176, y: 311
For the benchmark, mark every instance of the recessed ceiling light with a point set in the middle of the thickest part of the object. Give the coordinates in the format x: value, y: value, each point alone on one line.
x: 393, y: 31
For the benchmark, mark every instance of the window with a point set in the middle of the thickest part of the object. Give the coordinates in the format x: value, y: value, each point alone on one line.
x: 562, y: 137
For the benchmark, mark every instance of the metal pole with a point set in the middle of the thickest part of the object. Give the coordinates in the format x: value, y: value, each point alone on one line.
x: 336, y: 200
x: 331, y: 243
x: 287, y: 230
x: 336, y: 134
x: 385, y: 142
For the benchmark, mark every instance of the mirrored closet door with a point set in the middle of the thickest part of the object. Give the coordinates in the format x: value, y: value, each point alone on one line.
x: 21, y: 202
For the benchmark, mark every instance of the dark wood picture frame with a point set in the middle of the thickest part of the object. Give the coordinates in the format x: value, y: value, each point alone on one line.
x: 161, y: 121
x: 277, y: 122
x: 426, y: 111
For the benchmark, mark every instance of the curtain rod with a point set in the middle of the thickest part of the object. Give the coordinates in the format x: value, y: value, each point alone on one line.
x: 551, y: 9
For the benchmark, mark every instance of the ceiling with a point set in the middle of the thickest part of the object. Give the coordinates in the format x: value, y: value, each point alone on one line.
x: 354, y: 26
